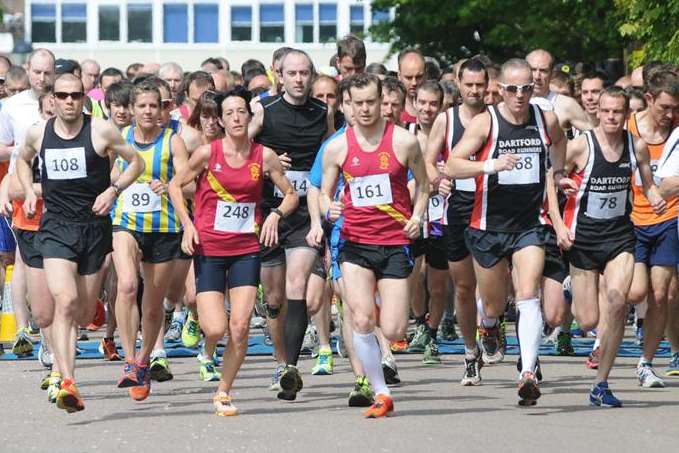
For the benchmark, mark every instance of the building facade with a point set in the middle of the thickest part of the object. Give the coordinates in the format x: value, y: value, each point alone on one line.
x: 119, y: 32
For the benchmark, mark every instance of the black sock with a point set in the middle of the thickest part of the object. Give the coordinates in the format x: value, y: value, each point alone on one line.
x: 296, y: 322
x: 640, y: 323
x: 419, y: 320
x: 433, y: 331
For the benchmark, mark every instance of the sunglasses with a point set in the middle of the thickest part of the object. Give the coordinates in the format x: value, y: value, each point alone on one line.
x: 166, y: 103
x: 513, y: 89
x: 75, y: 95
x: 2, y: 80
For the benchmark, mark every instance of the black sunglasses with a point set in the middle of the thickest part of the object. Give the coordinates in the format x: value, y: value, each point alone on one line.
x: 63, y: 95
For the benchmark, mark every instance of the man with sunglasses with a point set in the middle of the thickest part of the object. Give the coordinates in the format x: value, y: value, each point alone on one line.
x: 511, y: 143
x: 76, y: 152
x: 567, y: 109
x: 447, y: 131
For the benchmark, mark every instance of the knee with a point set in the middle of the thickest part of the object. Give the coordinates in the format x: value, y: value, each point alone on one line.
x: 587, y: 322
x: 127, y: 290
x: 296, y: 283
x: 437, y: 292
x: 659, y: 298
x: 554, y: 318
x: 273, y: 298
x: 395, y: 331
x: 239, y: 333
x: 42, y: 317
x: 363, y: 322
x: 214, y: 330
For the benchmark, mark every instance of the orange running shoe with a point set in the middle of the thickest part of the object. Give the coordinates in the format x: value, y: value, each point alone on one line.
x: 382, y: 407
x: 108, y: 346
x: 593, y: 360
x: 141, y: 391
x: 99, y: 317
x: 399, y: 346
x: 223, y: 405
x: 68, y: 397
x: 129, y: 377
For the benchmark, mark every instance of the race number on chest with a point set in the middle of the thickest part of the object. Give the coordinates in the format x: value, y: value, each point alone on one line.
x: 370, y: 190
x: 299, y: 181
x: 69, y: 163
x: 140, y: 198
x: 526, y: 171
x: 234, y: 217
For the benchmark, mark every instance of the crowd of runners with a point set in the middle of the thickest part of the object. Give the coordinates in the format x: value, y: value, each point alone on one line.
x: 169, y: 205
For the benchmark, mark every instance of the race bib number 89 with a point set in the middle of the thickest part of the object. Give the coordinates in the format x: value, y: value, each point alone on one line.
x: 606, y: 205
x: 299, y: 181
x: 234, y: 217
x: 370, y: 190
x: 140, y: 198
x: 526, y: 171
x: 66, y: 163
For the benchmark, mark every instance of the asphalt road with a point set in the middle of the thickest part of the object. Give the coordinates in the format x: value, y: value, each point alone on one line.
x: 433, y: 412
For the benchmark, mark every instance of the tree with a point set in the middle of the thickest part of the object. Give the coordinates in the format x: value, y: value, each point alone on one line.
x: 653, y: 26
x: 578, y: 30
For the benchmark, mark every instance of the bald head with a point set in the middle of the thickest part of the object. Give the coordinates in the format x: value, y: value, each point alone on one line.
x: 541, y: 63
x: 40, y: 65
x: 66, y: 79
x: 411, y: 71
x: 90, y: 74
x: 623, y: 82
x: 637, y: 77
x: 150, y: 68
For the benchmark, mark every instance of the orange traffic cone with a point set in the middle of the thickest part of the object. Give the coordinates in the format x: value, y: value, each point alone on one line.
x: 8, y: 320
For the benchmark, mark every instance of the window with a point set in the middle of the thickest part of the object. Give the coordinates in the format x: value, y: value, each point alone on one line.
x: 327, y: 15
x: 205, y: 22
x: 109, y: 23
x: 356, y: 25
x: 271, y: 23
x: 175, y: 22
x: 73, y: 22
x: 43, y: 23
x: 304, y: 23
x: 380, y: 15
x: 241, y: 23
x: 139, y: 23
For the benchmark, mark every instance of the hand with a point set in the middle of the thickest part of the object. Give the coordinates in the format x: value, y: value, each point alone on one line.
x: 564, y: 237
x: 658, y: 203
x: 286, y: 161
x: 102, y: 205
x: 189, y: 238
x: 315, y: 235
x: 506, y: 162
x: 566, y: 185
x: 335, y: 211
x: 5, y: 205
x: 30, y: 201
x: 158, y: 187
x: 445, y: 187
x: 269, y: 233
x: 412, y: 227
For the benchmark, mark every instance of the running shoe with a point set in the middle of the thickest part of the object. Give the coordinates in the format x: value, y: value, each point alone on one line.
x: 209, y: 371
x: 130, y: 376
x: 648, y: 378
x: 68, y: 397
x: 22, y: 343
x: 564, y: 344
x: 491, y: 345
x: 45, y: 357
x: 174, y: 330
x: 673, y: 367
x: 276, y: 378
x: 99, y: 317
x: 54, y: 386
x: 45, y: 381
x: 267, y: 336
x: 223, y: 405
x: 420, y: 340
x: 107, y: 346
x: 82, y: 335
x: 310, y: 339
x: 431, y: 353
x: 324, y: 363
x: 529, y: 392
x: 448, y: 330
x: 601, y: 395
x: 339, y: 345
x: 399, y: 346
x: 159, y: 369
x: 291, y: 383
x: 191, y: 332
x: 537, y: 370
x: 362, y: 395
x: 141, y: 391
x: 639, y: 336
x: 382, y: 407
x: 472, y: 370
x: 390, y: 371
x: 593, y: 360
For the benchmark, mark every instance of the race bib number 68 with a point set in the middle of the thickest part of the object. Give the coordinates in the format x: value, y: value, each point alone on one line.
x: 526, y: 171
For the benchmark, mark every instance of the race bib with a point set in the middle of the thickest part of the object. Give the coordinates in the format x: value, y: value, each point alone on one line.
x: 234, y: 217
x: 69, y: 163
x: 299, y: 181
x: 435, y: 209
x: 370, y: 190
x: 654, y: 169
x: 525, y: 171
x: 466, y: 185
x: 606, y: 205
x: 140, y: 198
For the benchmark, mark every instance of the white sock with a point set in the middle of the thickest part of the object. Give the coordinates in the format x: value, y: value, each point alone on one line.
x: 158, y: 354
x: 368, y: 351
x: 597, y: 342
x: 485, y: 321
x: 179, y: 316
x: 530, y: 332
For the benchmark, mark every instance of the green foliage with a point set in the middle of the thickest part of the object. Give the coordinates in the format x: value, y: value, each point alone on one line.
x: 653, y: 27
x: 579, y: 30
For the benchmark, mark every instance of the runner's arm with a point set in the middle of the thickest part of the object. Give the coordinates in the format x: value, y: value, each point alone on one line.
x: 435, y: 145
x: 557, y: 155
x: 416, y: 165
x: 334, y: 155
x: 273, y: 167
x: 257, y: 121
x: 180, y: 159
x: 668, y: 168
x: 646, y: 173
x: 118, y: 147
x: 23, y: 169
x: 575, y: 115
x: 184, y: 177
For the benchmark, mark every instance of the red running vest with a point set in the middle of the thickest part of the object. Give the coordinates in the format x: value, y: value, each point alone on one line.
x: 228, y: 204
x: 376, y: 198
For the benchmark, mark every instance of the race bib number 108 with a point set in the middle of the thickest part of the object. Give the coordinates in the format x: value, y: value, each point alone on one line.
x: 69, y: 163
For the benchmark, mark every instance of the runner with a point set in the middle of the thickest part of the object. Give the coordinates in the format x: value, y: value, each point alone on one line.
x: 173, y: 74
x: 378, y: 225
x: 147, y: 230
x: 447, y: 131
x: 351, y: 56
x: 75, y: 231
x: 293, y: 124
x: 117, y: 102
x: 393, y: 100
x: 656, y: 253
x: 411, y: 74
x: 195, y: 85
x: 205, y: 118
x: 511, y: 144
x: 227, y: 230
